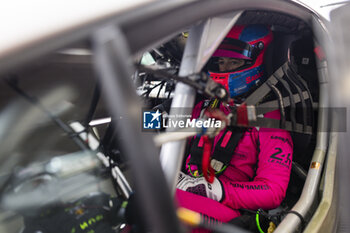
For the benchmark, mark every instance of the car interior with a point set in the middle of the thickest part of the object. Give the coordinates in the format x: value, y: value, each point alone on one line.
x: 62, y: 147
x: 293, y: 52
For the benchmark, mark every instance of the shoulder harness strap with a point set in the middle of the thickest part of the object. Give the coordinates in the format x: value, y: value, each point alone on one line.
x: 223, y: 150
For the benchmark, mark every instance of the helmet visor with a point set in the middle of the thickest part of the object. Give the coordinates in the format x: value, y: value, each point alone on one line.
x: 234, y: 48
x: 232, y: 55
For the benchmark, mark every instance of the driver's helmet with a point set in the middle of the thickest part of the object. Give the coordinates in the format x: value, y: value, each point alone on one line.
x: 238, y: 62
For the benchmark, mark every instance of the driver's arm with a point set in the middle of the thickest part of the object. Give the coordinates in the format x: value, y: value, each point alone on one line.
x: 268, y: 188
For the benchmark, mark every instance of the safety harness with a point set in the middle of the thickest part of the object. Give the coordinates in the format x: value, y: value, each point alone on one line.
x: 222, y: 153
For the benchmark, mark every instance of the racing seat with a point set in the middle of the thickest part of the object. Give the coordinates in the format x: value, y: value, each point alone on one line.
x: 292, y: 89
x: 303, y: 63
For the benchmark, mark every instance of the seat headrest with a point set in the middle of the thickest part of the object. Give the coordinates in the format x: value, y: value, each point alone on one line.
x: 302, y: 55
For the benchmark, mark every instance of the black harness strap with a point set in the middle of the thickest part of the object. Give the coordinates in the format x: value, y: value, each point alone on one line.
x: 221, y: 156
x: 223, y: 152
x: 196, y: 152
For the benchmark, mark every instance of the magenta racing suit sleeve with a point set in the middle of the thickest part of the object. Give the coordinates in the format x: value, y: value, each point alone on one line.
x: 267, y: 187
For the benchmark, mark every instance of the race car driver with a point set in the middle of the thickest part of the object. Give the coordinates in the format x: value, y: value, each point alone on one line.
x: 253, y: 170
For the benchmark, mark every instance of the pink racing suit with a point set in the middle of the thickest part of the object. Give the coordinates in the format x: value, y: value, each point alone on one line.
x: 257, y: 176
